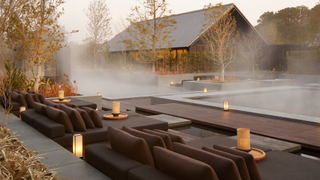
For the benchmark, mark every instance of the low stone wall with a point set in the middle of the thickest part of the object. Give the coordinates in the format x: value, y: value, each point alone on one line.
x: 199, y: 86
x: 302, y: 79
x: 278, y: 82
x: 165, y: 80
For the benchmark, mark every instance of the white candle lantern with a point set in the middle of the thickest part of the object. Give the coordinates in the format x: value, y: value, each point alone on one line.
x: 99, y: 93
x: 115, y: 108
x: 78, y: 145
x: 243, y: 139
x: 205, y: 90
x: 226, y: 105
x: 22, y: 108
x: 60, y: 93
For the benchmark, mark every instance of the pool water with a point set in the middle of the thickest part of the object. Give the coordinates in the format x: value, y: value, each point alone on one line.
x: 300, y: 101
x: 203, y: 131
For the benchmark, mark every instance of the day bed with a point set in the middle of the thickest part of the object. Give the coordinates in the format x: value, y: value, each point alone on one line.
x: 78, y: 102
x: 26, y: 99
x: 276, y: 166
x: 144, y: 154
x: 17, y: 100
x: 15, y: 107
x: 60, y: 121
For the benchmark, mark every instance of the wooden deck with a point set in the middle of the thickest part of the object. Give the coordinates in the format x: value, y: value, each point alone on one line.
x: 306, y: 135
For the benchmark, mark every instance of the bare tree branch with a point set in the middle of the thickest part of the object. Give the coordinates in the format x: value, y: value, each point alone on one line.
x: 150, y: 29
x: 98, y: 26
x: 219, y: 35
x: 251, y: 48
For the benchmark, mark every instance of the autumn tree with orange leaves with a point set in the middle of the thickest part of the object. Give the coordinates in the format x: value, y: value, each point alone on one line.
x: 35, y: 27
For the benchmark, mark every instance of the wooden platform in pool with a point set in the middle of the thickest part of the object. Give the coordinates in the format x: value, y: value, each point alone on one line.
x: 306, y: 135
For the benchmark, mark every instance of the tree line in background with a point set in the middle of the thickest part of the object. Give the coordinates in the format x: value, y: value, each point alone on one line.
x: 295, y: 25
x: 292, y: 25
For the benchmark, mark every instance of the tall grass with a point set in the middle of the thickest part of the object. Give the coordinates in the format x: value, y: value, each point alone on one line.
x: 16, y: 162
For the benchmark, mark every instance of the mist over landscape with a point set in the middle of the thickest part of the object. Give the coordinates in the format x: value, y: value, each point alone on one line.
x: 160, y: 89
x: 120, y: 85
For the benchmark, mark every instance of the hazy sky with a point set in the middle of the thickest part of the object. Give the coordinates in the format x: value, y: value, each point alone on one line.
x: 75, y: 18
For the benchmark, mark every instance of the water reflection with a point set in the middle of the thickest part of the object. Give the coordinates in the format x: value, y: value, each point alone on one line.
x: 203, y: 131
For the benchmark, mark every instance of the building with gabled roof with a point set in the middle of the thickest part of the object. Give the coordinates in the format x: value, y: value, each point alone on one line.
x: 187, y: 34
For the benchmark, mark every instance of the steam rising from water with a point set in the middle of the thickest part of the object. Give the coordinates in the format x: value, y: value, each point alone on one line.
x: 112, y: 84
x: 126, y: 85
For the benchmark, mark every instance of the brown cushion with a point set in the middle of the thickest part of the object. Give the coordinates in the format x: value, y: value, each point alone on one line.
x: 17, y: 91
x: 61, y: 117
x: 241, y: 164
x: 71, y: 105
x: 28, y: 99
x: 40, y: 108
x: 152, y: 140
x: 35, y: 98
x: 30, y: 92
x: 14, y: 95
x: 75, y: 117
x: 52, y: 104
x: 133, y: 147
x: 40, y: 97
x: 146, y: 172
x: 166, y: 138
x: 225, y: 168
x: 182, y: 167
x: 251, y: 164
x: 174, y: 137
x: 19, y: 99
x: 94, y: 116
x: 87, y: 119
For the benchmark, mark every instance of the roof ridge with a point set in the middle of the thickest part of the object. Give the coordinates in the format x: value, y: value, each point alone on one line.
x: 230, y: 4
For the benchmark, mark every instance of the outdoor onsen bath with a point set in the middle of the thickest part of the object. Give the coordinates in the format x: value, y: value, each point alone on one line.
x: 293, y: 103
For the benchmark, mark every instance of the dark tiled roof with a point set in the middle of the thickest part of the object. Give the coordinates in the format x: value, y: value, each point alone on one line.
x: 188, y: 30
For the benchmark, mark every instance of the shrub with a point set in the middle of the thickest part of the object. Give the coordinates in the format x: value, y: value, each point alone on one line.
x: 12, y: 79
x: 16, y: 162
x: 49, y: 89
